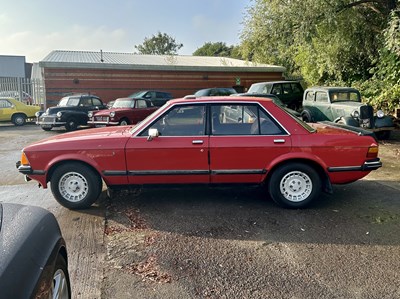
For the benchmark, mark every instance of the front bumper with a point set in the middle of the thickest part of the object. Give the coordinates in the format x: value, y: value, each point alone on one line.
x: 49, y: 121
x: 105, y: 121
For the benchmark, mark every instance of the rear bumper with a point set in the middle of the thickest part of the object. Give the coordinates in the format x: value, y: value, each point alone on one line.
x: 367, y: 166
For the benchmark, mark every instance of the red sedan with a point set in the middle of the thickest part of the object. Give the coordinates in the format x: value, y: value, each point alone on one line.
x: 213, y: 140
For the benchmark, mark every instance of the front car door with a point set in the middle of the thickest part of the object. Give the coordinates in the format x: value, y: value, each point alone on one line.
x: 242, y: 146
x: 6, y: 110
x: 178, y: 155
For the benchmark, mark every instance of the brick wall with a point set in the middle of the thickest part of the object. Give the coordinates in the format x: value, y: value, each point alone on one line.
x: 111, y: 84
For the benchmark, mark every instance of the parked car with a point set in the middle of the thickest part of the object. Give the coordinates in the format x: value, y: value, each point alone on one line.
x: 216, y: 91
x: 33, y: 254
x: 187, y: 142
x: 25, y: 97
x: 110, y: 104
x: 158, y: 98
x: 343, y: 105
x: 289, y: 92
x: 71, y: 112
x: 273, y: 97
x: 125, y: 111
x: 16, y: 112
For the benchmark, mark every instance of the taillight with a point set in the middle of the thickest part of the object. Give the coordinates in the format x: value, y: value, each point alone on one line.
x: 373, y: 151
x: 24, y: 159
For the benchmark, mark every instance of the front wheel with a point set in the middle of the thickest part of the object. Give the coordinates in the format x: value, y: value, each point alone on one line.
x: 71, y: 124
x: 60, y: 287
x: 124, y: 122
x: 19, y: 119
x: 294, y: 185
x: 75, y: 185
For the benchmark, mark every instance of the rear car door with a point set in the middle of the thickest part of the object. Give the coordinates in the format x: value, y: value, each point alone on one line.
x: 242, y: 147
x: 179, y: 155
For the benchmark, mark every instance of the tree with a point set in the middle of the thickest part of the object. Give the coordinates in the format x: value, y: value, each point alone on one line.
x: 341, y: 42
x: 218, y: 49
x: 160, y: 44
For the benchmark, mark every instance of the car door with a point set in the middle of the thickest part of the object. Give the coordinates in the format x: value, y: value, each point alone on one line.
x: 241, y: 149
x: 323, y: 106
x: 178, y: 155
x: 140, y: 111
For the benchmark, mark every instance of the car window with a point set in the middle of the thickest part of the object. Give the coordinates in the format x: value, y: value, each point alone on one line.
x: 287, y: 88
x: 309, y: 96
x: 321, y: 97
x: 5, y: 104
x: 186, y: 120
x: 96, y: 102
x: 141, y: 104
x: 72, y: 102
x: 276, y: 89
x: 345, y: 96
x: 296, y: 88
x: 86, y: 102
x: 242, y: 120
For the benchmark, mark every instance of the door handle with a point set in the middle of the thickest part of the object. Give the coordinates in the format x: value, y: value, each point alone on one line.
x: 279, y: 140
x: 197, y: 142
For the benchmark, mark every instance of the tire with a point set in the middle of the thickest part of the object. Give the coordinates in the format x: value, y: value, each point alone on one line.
x: 294, y: 185
x: 75, y: 185
x: 46, y: 128
x: 306, y: 117
x: 124, y: 122
x: 19, y: 119
x: 60, y: 286
x: 71, y: 124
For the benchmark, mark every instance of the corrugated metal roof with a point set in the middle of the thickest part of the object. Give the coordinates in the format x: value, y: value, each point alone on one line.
x: 108, y: 60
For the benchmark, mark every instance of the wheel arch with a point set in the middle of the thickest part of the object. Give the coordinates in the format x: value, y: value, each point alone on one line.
x: 60, y: 162
x: 325, y: 182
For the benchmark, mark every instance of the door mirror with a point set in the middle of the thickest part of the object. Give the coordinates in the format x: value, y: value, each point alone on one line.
x: 152, y: 133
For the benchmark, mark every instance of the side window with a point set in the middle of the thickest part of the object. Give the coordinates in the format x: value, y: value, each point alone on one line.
x: 296, y: 88
x: 287, y: 89
x: 276, y: 89
x: 310, y: 96
x: 321, y: 97
x: 86, y: 102
x: 265, y: 125
x: 141, y: 104
x: 185, y: 120
x: 5, y: 104
x: 96, y: 102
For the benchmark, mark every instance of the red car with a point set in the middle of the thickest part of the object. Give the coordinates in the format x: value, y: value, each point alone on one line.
x: 213, y: 140
x: 124, y: 111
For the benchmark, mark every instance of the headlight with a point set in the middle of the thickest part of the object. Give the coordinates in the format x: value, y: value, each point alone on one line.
x: 59, y: 114
x: 90, y: 114
x: 112, y: 113
x: 380, y: 114
x: 37, y: 114
x: 355, y: 114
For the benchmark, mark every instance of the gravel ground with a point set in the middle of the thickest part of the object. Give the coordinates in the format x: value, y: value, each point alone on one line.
x: 236, y: 243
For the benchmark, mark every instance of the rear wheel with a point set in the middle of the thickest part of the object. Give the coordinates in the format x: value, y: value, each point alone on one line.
x: 75, y: 185
x: 294, y: 185
x: 19, y: 119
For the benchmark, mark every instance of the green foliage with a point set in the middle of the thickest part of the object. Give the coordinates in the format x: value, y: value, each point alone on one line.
x: 218, y: 49
x: 160, y: 44
x: 328, y: 42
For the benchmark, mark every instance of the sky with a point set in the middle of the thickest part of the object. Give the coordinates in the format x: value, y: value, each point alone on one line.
x: 34, y: 28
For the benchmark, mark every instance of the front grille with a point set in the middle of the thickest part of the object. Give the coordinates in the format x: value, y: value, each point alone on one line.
x: 48, y: 119
x: 367, y: 116
x: 101, y: 118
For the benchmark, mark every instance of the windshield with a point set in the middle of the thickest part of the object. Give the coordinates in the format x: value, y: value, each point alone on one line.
x: 138, y: 94
x: 128, y: 103
x: 69, y: 102
x: 345, y: 96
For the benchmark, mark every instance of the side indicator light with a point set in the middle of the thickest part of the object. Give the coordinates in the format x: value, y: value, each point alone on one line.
x: 372, y: 152
x: 24, y: 159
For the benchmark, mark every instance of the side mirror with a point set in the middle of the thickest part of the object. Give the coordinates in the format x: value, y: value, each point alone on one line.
x: 152, y: 133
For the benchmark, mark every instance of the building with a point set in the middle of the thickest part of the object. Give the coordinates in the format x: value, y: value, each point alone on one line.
x: 113, y: 75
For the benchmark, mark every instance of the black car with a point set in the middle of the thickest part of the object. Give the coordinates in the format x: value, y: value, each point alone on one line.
x: 216, y: 91
x: 289, y: 92
x: 33, y: 254
x: 158, y: 98
x: 71, y: 112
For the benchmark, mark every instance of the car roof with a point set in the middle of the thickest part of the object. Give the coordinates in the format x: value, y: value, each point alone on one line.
x: 273, y: 82
x: 332, y: 88
x: 216, y: 99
